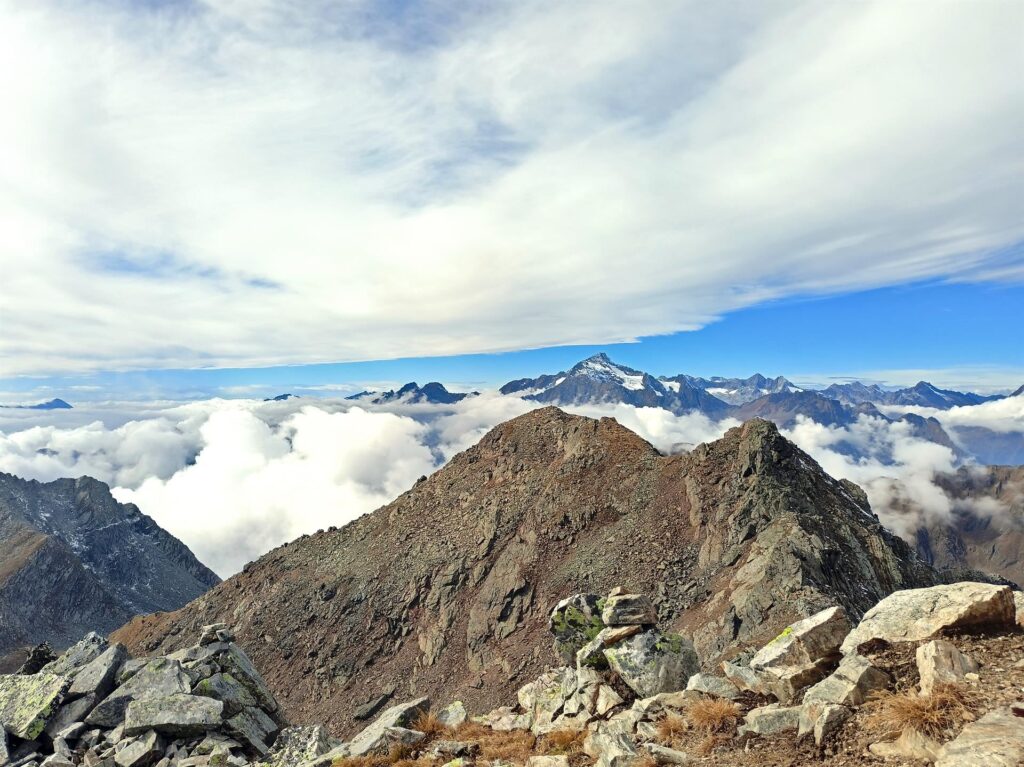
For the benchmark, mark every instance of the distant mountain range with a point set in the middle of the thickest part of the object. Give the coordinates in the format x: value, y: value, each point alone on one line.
x: 413, y: 394
x: 93, y: 562
x: 53, y: 404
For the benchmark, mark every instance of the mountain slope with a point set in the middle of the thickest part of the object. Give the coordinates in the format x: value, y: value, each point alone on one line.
x: 413, y: 394
x: 737, y: 391
x: 446, y: 590
x: 92, y: 561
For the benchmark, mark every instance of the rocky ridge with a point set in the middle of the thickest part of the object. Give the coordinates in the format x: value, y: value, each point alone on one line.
x: 445, y: 589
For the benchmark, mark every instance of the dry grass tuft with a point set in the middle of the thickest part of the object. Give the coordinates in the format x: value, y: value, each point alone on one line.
x: 516, y: 746
x: 430, y: 725
x: 937, y: 715
x: 713, y: 715
x: 710, y: 743
x: 563, y: 742
x: 645, y: 760
x: 672, y: 728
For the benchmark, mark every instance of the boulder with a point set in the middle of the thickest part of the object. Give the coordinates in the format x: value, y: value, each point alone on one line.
x: 450, y: 749
x: 236, y: 663
x: 99, y: 675
x: 916, y: 614
x: 178, y: 715
x: 629, y: 610
x: 652, y: 662
x: 610, y: 749
x: 225, y: 688
x: 37, y: 658
x: 5, y: 751
x: 27, y: 703
x: 141, y: 751
x: 939, y: 662
x: 543, y: 698
x: 504, y: 719
x: 253, y: 728
x: 995, y: 740
x: 745, y: 679
x: 808, y: 642
x: 453, y: 714
x: 591, y: 655
x: 160, y: 677
x: 575, y: 621
x: 607, y: 699
x: 709, y: 684
x: 297, y: 744
x: 770, y: 720
x: 821, y: 720
x: 375, y: 736
x: 1018, y: 603
x: 211, y: 633
x: 666, y: 755
x: 850, y: 684
x: 70, y: 713
x: 80, y: 654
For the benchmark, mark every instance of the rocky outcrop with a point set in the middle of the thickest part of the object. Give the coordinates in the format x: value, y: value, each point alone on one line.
x: 92, y: 561
x: 447, y: 589
x: 94, y: 706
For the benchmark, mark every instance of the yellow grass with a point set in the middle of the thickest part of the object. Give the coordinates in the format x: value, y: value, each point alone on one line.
x: 713, y: 715
x: 937, y: 715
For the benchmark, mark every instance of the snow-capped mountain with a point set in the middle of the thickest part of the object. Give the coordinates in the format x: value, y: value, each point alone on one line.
x: 737, y: 391
x: 922, y: 394
x: 53, y: 404
x: 597, y: 380
x: 413, y: 394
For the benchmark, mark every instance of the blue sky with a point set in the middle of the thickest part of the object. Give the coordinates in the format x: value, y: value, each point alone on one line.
x: 960, y: 335
x: 225, y: 198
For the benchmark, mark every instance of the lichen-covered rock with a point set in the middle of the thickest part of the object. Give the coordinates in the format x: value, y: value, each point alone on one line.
x: 916, y: 614
x: 629, y: 610
x: 80, y: 654
x: 575, y: 621
x: 850, y: 684
x: 939, y: 662
x: 235, y: 662
x: 709, y: 684
x: 610, y: 749
x: 296, y: 745
x: 27, y: 703
x: 178, y: 715
x: 995, y: 740
x: 158, y: 678
x: 69, y: 713
x: 453, y: 714
x: 652, y: 662
x: 225, y: 688
x: 770, y: 720
x: 543, y: 698
x: 253, y: 728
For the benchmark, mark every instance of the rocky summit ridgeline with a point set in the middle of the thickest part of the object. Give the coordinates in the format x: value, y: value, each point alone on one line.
x: 933, y: 675
x: 447, y: 589
x: 92, y: 562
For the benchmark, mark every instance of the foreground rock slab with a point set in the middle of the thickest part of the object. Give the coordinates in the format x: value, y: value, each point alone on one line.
x: 916, y: 614
x: 28, y: 702
x: 995, y: 740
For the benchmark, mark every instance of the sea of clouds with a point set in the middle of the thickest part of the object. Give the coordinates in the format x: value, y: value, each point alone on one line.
x: 234, y: 478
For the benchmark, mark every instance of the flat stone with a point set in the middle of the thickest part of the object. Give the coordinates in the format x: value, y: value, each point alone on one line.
x: 80, y: 654
x: 666, y: 755
x: 158, y: 678
x: 453, y: 714
x: 69, y: 714
x: 995, y: 740
x: 911, y: 745
x: 99, y: 675
x: 27, y: 703
x: 850, y: 684
x: 610, y: 750
x: 939, y: 662
x: 141, y: 751
x: 916, y: 614
x: 652, y: 662
x: 709, y: 684
x: 770, y: 720
x: 376, y: 737
x: 178, y: 715
x: 808, y: 642
x: 629, y: 610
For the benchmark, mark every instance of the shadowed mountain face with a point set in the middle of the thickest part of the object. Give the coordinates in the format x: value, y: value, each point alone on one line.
x: 91, y: 561
x: 446, y: 590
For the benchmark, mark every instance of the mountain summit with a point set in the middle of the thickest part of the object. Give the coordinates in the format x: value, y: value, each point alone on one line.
x: 447, y: 588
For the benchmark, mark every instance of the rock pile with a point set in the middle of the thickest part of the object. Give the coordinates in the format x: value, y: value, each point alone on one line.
x: 95, y: 706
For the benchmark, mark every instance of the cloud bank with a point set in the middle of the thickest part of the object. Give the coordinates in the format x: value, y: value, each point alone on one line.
x: 234, y: 478
x: 262, y: 182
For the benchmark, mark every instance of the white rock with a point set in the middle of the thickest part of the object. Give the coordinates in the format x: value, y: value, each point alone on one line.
x: 709, y: 684
x: 995, y: 740
x: 807, y: 642
x: 939, y: 662
x: 850, y: 684
x: 771, y: 720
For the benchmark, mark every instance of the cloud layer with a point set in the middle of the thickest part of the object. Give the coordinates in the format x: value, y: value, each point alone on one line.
x: 234, y: 478
x: 263, y: 181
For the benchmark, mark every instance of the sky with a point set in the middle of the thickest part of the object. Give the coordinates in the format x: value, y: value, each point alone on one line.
x: 235, y: 197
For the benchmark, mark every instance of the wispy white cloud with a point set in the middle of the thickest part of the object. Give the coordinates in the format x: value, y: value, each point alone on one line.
x: 270, y: 182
